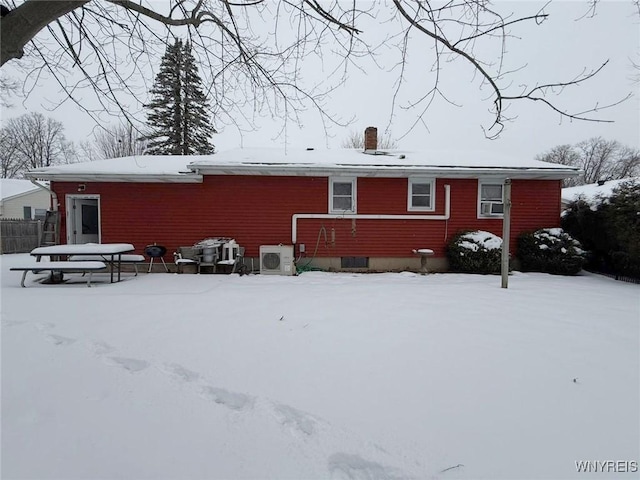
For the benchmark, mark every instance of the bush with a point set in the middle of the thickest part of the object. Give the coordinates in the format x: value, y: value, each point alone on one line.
x: 610, y: 229
x: 550, y: 250
x: 475, y: 252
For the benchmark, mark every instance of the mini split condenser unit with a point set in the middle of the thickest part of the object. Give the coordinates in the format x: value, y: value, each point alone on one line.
x: 277, y: 260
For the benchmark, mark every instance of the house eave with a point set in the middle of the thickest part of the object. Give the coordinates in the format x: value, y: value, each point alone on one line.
x: 384, y: 171
x: 115, y: 178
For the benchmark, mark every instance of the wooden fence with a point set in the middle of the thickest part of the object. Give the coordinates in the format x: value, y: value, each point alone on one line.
x: 19, y: 236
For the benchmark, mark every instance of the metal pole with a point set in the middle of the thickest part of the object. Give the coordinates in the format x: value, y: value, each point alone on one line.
x: 506, y: 232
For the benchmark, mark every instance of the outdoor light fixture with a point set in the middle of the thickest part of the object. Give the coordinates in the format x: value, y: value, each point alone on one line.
x: 81, y: 187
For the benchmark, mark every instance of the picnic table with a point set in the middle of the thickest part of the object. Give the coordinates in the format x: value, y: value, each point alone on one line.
x: 111, y: 253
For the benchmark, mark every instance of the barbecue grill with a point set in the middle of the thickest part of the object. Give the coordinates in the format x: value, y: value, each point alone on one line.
x: 156, y: 251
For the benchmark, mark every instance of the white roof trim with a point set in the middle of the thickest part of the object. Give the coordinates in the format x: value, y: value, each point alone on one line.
x: 115, y: 178
x: 317, y: 163
x: 375, y: 163
x: 400, y: 171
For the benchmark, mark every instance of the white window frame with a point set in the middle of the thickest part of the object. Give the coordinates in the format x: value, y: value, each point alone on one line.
x: 432, y: 194
x: 354, y: 193
x: 482, y: 183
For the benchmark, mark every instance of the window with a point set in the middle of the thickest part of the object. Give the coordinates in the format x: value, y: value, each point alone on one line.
x: 40, y: 214
x: 342, y: 195
x: 90, y: 222
x: 420, y: 196
x: 491, y: 202
x: 26, y: 213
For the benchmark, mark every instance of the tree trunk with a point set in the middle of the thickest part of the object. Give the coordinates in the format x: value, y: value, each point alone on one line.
x: 24, y: 22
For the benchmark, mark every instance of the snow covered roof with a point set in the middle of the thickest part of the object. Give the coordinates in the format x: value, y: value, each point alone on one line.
x: 12, y: 187
x: 309, y: 162
x: 593, y: 191
x: 145, y: 168
x: 393, y: 163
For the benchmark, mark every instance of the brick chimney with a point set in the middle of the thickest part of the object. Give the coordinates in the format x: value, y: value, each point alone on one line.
x: 371, y: 139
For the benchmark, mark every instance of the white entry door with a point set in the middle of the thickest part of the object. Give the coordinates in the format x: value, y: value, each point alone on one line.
x: 83, y: 219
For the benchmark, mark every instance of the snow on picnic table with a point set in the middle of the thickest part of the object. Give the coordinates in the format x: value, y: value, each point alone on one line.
x: 328, y: 376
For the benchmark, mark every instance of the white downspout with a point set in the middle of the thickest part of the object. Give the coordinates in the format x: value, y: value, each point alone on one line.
x: 447, y: 213
x: 54, y: 197
x: 54, y: 206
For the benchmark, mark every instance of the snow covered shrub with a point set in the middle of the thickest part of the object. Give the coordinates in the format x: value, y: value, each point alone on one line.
x: 550, y: 250
x: 475, y: 252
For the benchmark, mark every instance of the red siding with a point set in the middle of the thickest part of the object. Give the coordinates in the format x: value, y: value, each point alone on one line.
x: 257, y: 211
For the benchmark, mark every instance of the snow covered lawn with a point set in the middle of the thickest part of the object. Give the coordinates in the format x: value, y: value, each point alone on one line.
x: 328, y: 376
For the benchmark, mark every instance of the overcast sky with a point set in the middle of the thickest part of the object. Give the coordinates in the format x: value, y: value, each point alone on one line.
x: 560, y: 49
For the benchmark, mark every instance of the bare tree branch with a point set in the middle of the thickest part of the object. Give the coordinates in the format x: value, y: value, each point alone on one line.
x: 252, y: 52
x: 118, y: 141
x: 23, y: 23
x: 597, y: 158
x: 31, y: 141
x: 8, y: 87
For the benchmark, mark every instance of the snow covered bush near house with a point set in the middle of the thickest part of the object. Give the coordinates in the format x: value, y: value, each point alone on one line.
x: 475, y: 252
x: 328, y: 376
x: 550, y: 250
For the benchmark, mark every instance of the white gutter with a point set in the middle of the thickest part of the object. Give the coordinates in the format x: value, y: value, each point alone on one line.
x: 447, y: 214
x: 119, y: 178
x: 54, y: 197
x: 385, y: 171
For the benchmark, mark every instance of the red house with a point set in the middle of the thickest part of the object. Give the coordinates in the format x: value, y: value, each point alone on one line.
x: 338, y: 208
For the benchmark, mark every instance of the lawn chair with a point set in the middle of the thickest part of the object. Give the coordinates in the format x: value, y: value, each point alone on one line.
x: 238, y: 265
x: 186, y: 256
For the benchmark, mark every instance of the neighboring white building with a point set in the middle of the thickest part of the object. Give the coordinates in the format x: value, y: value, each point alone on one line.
x: 22, y: 199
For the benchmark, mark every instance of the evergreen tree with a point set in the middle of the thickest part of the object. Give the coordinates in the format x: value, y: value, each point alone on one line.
x: 178, y: 114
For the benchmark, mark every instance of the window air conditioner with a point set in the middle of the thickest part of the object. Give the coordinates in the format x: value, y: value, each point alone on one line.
x: 277, y: 260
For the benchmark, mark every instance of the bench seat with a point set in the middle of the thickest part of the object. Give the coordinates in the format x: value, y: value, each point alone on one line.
x: 68, y: 267
x: 129, y: 258
x: 226, y: 262
x: 185, y: 261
